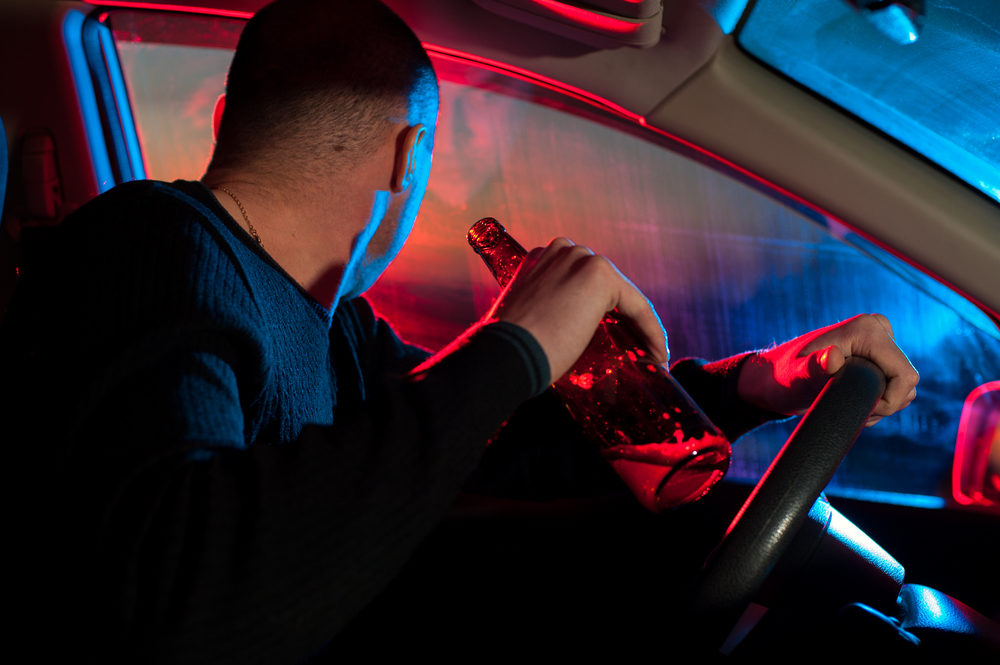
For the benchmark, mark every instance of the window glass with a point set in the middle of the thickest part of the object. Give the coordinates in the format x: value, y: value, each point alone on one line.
x: 727, y: 267
x: 175, y: 68
x: 936, y: 94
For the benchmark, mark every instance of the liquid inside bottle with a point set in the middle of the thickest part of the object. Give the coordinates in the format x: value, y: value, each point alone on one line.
x: 657, y: 439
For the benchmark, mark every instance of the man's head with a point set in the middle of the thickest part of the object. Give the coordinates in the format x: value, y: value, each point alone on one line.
x: 315, y: 84
x: 320, y: 96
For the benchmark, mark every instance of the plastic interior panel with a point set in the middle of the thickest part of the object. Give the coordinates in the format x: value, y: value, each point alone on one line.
x: 588, y: 26
x: 737, y: 107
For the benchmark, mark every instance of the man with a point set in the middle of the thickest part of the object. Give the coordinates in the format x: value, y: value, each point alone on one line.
x: 226, y: 453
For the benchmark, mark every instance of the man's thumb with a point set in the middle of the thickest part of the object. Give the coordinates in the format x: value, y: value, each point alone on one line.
x: 830, y: 360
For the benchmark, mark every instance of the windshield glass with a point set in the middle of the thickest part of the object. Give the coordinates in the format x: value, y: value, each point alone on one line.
x: 933, y: 88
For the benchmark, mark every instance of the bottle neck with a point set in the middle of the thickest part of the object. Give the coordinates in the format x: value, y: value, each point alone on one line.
x: 501, y: 253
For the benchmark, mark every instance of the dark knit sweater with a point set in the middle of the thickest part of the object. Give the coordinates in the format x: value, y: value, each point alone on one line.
x: 219, y: 468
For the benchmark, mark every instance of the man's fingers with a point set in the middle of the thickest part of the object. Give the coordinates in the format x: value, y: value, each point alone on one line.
x: 629, y: 302
x: 560, y: 294
x: 884, y: 322
x: 527, y: 264
x: 895, y: 399
x: 831, y: 359
x: 541, y: 256
x: 873, y: 339
x: 902, y: 381
x: 810, y: 374
x: 636, y: 308
x: 532, y: 258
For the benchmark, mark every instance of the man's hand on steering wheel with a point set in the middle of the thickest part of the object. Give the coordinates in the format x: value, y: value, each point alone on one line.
x: 786, y: 378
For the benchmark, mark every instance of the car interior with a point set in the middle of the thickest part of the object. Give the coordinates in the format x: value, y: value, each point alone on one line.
x: 759, y: 168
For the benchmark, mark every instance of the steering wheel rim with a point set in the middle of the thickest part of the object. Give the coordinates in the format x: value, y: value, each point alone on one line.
x: 779, y: 504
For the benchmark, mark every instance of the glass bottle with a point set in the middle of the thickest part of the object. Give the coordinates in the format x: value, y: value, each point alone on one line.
x: 661, y: 444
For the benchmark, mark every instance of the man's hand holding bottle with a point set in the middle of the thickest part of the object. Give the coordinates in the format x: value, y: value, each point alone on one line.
x: 561, y: 293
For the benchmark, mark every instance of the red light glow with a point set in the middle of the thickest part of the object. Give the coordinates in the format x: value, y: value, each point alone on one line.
x: 583, y: 381
x: 231, y: 13
x: 590, y: 19
x: 519, y: 73
x: 972, y: 449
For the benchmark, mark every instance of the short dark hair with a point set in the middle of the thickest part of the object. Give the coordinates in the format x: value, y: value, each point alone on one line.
x: 318, y: 81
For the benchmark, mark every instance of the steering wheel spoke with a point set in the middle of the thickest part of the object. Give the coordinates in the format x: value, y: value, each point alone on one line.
x: 778, y: 506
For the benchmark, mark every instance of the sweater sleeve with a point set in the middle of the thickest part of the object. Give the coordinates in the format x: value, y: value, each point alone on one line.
x: 712, y: 385
x: 541, y: 453
x: 212, y: 552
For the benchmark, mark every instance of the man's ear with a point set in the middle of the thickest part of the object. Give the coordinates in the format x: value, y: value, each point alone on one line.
x: 407, y: 159
x: 220, y: 106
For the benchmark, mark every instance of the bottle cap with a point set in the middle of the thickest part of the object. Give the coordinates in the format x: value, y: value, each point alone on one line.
x: 486, y: 234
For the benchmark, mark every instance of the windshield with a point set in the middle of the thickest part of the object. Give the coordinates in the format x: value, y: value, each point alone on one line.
x: 934, y: 90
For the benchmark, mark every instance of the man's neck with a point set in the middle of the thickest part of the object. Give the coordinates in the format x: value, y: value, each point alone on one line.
x: 308, y: 233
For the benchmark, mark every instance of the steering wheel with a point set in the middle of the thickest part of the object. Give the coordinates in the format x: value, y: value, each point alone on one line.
x: 779, y: 504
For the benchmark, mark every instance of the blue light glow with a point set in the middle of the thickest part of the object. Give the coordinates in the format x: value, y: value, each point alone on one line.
x: 727, y: 13
x: 895, y: 23
x: 936, y: 95
x: 118, y: 151
x: 929, y: 603
x: 120, y: 93
x: 73, y: 40
x: 895, y: 498
x: 990, y: 189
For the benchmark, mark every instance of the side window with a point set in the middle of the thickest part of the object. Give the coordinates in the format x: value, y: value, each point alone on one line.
x: 727, y: 266
x: 175, y: 67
